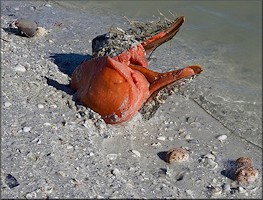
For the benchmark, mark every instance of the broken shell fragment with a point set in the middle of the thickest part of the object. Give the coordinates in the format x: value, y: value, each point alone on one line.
x: 221, y: 138
x: 40, y: 32
x: 27, y: 27
x: 177, y: 155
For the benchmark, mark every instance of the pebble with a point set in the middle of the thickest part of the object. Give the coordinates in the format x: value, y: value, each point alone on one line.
x: 20, y: 68
x: 177, y: 155
x: 7, y: 104
x: 162, y: 138
x: 193, y: 141
x: 137, y: 153
x: 26, y: 129
x: 221, y: 138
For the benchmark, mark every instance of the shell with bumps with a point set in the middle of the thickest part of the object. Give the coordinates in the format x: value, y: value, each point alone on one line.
x: 177, y: 155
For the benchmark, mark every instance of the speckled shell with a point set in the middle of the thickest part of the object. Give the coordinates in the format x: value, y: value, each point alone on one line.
x: 246, y: 175
x: 177, y: 155
x: 244, y: 161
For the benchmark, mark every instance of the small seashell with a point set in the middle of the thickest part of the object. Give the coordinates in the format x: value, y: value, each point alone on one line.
x: 137, y: 153
x: 26, y: 129
x: 116, y: 172
x: 28, y: 27
x: 245, y: 175
x: 226, y: 187
x: 177, y: 155
x: 32, y: 157
x: 241, y: 189
x: 212, y: 163
x: 162, y: 138
x: 47, y: 189
x: 187, y: 136
x: 31, y: 195
x: 40, y: 106
x: 7, y: 104
x: 60, y: 173
x: 193, y: 141
x: 20, y: 68
x: 156, y: 144
x: 47, y: 124
x: 69, y: 146
x: 221, y: 138
x: 243, y: 161
x: 91, y: 154
x: 216, y: 191
x: 195, y: 124
x: 48, y: 5
x: 210, y: 156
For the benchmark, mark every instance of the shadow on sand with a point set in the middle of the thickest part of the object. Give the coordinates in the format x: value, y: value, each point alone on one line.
x: 66, y: 63
x: 162, y: 155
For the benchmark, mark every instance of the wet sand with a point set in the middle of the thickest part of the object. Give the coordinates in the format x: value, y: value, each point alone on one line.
x: 54, y: 148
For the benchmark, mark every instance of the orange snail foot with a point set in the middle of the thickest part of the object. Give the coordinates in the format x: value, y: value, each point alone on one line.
x: 160, y: 80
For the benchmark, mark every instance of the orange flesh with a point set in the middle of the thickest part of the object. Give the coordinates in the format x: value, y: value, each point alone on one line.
x: 113, y: 90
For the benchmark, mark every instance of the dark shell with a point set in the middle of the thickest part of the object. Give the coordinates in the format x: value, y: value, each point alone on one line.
x: 28, y: 27
x: 11, y: 181
x: 112, y: 43
x: 117, y: 40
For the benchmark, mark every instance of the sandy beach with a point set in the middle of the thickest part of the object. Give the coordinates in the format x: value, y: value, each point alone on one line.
x: 53, y: 147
